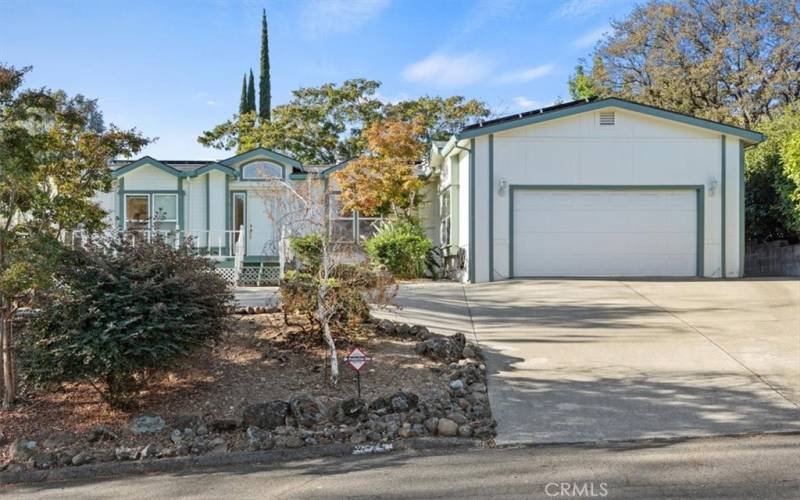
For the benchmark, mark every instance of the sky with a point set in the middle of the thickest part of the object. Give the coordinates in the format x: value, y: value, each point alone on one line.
x: 173, y: 68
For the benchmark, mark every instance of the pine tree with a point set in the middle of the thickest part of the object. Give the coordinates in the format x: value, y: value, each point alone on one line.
x: 264, y: 89
x: 251, y: 93
x: 243, y: 99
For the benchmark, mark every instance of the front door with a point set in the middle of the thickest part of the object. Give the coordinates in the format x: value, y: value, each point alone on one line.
x: 261, y: 237
x: 238, y: 215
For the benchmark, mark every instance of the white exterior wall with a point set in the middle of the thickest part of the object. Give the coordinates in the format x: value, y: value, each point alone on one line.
x: 108, y: 202
x: 217, y: 199
x: 637, y: 150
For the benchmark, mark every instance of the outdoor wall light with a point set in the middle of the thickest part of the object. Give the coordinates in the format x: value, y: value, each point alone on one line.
x: 712, y: 187
x: 501, y: 186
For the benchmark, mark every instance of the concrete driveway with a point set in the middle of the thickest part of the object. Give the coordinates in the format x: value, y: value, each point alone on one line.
x: 589, y: 360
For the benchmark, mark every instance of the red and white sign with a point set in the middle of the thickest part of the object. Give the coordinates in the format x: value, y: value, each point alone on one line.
x: 356, y: 358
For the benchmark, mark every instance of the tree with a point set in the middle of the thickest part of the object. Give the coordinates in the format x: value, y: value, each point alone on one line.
x: 383, y: 181
x: 718, y: 59
x: 583, y: 85
x: 52, y: 161
x: 243, y: 98
x: 772, y: 180
x: 251, y: 93
x: 440, y: 116
x: 322, y: 125
x: 264, y: 87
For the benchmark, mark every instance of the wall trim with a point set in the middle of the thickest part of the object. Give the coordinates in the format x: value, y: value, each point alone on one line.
x: 741, y: 211
x: 723, y: 169
x: 491, y: 207
x: 700, y: 224
x: 471, y: 264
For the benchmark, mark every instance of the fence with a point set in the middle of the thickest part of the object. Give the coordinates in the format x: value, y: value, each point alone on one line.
x: 777, y: 258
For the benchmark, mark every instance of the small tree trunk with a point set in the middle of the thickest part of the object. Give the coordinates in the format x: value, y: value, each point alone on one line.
x: 9, y: 384
x: 322, y: 317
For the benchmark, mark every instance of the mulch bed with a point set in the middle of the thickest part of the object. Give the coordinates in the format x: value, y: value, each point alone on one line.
x: 259, y: 359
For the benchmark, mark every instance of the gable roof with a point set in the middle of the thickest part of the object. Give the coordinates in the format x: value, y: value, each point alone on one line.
x: 254, y: 153
x: 584, y: 105
x: 146, y: 160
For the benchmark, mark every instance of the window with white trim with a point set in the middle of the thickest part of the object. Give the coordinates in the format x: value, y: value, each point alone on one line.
x: 444, y: 224
x: 349, y: 226
x: 260, y: 170
x: 165, y: 212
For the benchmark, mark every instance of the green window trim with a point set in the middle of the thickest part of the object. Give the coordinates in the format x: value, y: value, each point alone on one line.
x: 699, y: 189
x: 722, y: 169
x: 742, y: 221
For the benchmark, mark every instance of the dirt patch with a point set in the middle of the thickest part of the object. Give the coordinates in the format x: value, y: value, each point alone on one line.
x: 258, y: 360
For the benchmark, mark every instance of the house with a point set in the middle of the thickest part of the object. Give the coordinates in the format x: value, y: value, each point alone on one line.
x: 222, y: 205
x: 596, y: 187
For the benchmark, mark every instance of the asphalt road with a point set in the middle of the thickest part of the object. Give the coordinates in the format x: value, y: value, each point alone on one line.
x: 748, y: 467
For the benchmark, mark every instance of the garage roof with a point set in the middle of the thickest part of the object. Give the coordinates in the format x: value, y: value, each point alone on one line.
x: 584, y: 105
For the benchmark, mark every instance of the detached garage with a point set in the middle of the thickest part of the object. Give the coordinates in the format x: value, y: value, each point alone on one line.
x: 595, y: 188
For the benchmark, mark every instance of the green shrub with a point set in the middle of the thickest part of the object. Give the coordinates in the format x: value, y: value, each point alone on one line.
x: 402, y: 247
x: 308, y: 251
x: 350, y: 288
x: 121, y: 312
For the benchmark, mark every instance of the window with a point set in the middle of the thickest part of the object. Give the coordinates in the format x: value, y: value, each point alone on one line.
x: 260, y: 170
x: 444, y: 225
x: 155, y: 211
x: 137, y: 212
x: 165, y: 212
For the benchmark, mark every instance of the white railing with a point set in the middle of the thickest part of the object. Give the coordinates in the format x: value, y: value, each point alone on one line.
x: 214, y: 243
x: 238, y: 257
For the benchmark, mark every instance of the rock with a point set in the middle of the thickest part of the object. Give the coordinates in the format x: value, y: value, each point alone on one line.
x: 386, y: 327
x: 189, y: 420
x: 223, y: 425
x: 457, y: 417
x: 255, y: 437
x: 306, y: 411
x: 44, y: 460
x: 147, y: 424
x: 420, y: 331
x: 125, y: 453
x: 3, y: 439
x: 432, y: 425
x: 22, y: 450
x: 218, y: 445
x: 405, y: 431
x: 468, y: 352
x: 104, y: 455
x: 464, y: 431
x: 456, y: 384
x: 58, y: 441
x: 478, y: 387
x: 176, y: 436
x: 266, y: 415
x: 167, y: 452
x: 403, y: 401
x: 440, y: 347
x: 289, y: 441
x: 202, y: 430
x: 82, y: 457
x: 100, y: 434
x: 351, y: 409
x: 484, y: 432
x: 379, y: 404
x: 149, y: 451
x: 403, y: 330
x: 188, y: 434
x: 447, y: 428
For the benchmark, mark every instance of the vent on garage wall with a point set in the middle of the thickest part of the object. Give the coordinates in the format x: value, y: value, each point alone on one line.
x: 606, y: 118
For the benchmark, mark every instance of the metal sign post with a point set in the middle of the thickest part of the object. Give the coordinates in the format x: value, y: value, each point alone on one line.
x: 357, y: 359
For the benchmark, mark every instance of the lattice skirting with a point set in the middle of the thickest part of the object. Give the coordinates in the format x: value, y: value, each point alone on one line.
x: 251, y: 276
x: 228, y: 273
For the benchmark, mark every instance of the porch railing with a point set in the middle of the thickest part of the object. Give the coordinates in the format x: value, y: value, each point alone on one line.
x: 213, y: 243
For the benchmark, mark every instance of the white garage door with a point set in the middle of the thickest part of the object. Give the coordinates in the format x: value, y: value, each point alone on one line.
x: 605, y: 233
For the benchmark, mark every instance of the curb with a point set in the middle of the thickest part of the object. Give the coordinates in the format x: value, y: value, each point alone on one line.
x: 166, y: 465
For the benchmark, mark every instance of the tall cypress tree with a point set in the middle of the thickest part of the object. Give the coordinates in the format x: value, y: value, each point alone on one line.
x: 264, y: 89
x: 251, y: 93
x: 243, y: 99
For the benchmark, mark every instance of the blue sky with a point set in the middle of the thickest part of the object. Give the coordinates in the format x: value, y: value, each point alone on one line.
x: 173, y: 68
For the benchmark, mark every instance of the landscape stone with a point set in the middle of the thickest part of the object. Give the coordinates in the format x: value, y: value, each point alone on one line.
x: 266, y: 415
x: 447, y: 428
x: 147, y: 424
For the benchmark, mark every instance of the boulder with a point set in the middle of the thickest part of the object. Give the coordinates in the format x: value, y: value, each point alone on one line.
x: 306, y: 410
x: 149, y: 451
x: 100, y: 434
x: 289, y: 441
x: 217, y: 445
x: 403, y: 330
x: 125, y: 453
x: 351, y: 409
x: 386, y: 327
x: 457, y: 417
x: 255, y: 437
x: 82, y: 457
x: 176, y: 436
x: 224, y: 424
x: 440, y: 347
x: 447, y: 428
x: 22, y: 450
x: 432, y: 424
x: 456, y: 385
x: 469, y: 351
x: 266, y: 415
x: 464, y: 431
x: 147, y: 424
x: 403, y: 401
